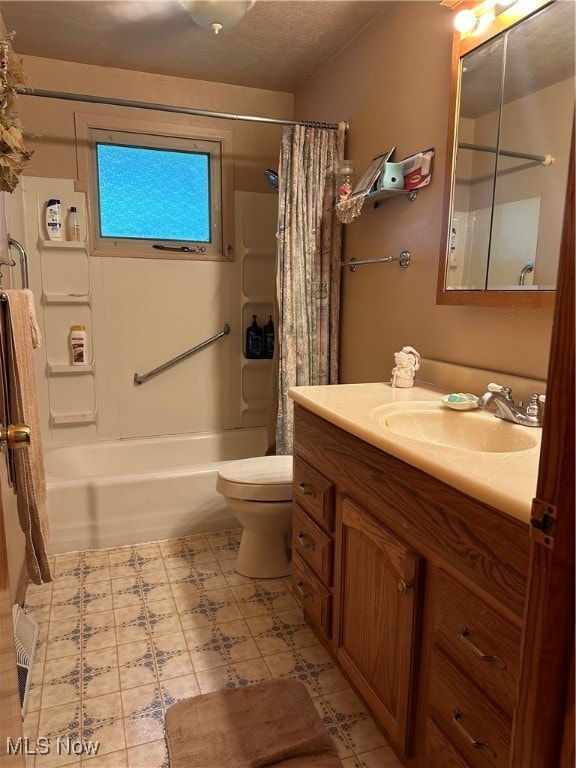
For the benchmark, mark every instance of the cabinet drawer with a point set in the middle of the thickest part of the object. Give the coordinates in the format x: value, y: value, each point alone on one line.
x: 439, y: 750
x: 312, y: 544
x: 478, y: 639
x: 472, y: 723
x: 316, y: 600
x: 314, y: 493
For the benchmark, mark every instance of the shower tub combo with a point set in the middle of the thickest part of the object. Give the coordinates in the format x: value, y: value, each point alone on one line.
x: 129, y: 491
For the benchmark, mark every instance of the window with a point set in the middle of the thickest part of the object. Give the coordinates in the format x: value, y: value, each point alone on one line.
x: 157, y: 194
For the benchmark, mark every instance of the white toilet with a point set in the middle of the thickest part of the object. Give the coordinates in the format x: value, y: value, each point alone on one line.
x: 259, y: 493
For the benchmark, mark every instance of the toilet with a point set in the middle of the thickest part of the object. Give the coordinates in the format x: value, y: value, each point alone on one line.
x: 259, y: 493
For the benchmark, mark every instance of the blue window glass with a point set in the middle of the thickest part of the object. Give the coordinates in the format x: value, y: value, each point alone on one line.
x: 153, y: 194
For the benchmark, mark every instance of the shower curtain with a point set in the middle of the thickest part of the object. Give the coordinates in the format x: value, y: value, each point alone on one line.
x: 308, y: 267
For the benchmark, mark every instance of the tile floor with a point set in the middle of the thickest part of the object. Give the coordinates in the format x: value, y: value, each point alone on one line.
x: 124, y: 633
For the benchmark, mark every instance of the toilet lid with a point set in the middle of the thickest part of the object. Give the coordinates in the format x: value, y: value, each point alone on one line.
x: 263, y: 478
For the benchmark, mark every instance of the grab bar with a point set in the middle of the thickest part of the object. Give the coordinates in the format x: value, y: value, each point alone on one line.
x: 140, y: 378
x: 526, y: 269
x: 23, y: 260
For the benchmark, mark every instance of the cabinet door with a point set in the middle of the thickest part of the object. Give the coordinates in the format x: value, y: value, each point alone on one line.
x: 378, y: 616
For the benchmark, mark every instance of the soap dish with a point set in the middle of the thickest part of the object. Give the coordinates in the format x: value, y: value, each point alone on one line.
x: 461, y: 401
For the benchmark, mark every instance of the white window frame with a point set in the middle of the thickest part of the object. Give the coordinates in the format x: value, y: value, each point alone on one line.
x: 93, y: 128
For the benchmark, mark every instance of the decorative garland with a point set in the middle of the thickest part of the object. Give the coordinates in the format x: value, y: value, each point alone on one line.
x: 14, y: 156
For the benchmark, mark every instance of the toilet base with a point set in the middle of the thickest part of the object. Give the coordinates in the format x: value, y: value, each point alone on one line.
x: 262, y: 555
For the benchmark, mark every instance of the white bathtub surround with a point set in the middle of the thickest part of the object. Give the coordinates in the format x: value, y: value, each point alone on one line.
x: 120, y: 492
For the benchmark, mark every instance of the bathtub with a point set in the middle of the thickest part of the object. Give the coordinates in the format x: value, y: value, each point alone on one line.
x: 129, y: 491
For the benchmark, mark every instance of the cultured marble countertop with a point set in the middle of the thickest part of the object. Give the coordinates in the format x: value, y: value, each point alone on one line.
x: 506, y: 481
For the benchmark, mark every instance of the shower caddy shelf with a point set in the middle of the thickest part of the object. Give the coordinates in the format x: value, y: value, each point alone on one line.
x: 63, y: 371
x: 72, y: 245
x: 57, y: 369
x: 66, y: 298
x: 58, y: 419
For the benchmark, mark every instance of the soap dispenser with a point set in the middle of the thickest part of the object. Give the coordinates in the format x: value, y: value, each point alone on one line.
x: 268, y: 351
x: 254, y: 340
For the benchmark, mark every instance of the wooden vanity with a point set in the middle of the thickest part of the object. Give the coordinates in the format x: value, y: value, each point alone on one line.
x: 416, y: 589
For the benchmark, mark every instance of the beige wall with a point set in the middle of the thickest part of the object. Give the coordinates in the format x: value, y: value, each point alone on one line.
x: 392, y: 85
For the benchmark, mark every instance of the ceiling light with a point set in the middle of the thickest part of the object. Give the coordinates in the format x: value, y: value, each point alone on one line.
x: 217, y: 14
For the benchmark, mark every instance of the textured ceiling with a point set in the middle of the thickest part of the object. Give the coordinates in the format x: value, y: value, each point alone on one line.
x: 279, y: 45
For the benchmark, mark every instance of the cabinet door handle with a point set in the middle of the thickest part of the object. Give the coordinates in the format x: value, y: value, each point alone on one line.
x: 456, y: 717
x: 303, y: 488
x: 306, y: 541
x: 465, y: 636
x: 305, y: 595
x: 404, y: 587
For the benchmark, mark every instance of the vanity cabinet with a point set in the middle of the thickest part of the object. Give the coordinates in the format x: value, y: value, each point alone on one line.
x: 416, y: 589
x: 474, y: 656
x: 312, y: 545
x: 378, y: 622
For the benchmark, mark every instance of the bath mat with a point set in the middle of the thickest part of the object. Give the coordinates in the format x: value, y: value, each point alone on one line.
x: 264, y: 724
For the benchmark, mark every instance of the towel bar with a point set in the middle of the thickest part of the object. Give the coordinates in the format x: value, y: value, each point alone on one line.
x: 403, y: 260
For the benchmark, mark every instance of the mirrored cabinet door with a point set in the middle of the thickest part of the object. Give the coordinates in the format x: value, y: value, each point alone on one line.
x: 513, y: 120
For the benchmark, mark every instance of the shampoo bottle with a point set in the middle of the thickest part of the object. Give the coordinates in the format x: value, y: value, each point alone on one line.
x: 73, y: 225
x: 269, y: 339
x: 54, y: 219
x: 78, y: 344
x: 254, y: 340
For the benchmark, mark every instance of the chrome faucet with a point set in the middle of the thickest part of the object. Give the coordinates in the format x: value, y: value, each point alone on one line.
x: 531, y: 416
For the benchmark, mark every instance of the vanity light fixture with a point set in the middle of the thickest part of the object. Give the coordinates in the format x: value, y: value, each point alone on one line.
x: 217, y: 15
x: 466, y: 21
x: 476, y: 20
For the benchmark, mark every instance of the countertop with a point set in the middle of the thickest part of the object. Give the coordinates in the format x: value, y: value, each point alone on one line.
x: 506, y: 481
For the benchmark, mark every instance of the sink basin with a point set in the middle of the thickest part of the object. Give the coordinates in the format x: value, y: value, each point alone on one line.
x: 435, y: 424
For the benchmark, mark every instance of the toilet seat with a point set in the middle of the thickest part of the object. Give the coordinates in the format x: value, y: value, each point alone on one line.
x: 263, y: 478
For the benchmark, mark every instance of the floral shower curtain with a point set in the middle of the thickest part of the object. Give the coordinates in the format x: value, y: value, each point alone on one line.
x: 308, y: 268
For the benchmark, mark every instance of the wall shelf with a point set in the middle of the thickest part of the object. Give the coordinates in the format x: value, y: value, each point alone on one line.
x: 380, y: 195
x: 72, y: 245
x: 58, y: 369
x: 66, y: 298
x: 58, y: 419
x: 417, y: 172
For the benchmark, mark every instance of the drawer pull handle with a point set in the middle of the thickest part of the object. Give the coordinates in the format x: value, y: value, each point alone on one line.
x: 306, y: 541
x: 300, y: 588
x: 303, y: 488
x: 404, y: 587
x: 456, y: 717
x: 465, y: 636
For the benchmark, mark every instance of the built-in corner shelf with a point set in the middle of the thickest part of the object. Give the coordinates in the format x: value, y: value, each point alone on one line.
x: 66, y: 298
x: 57, y: 369
x: 72, y: 245
x: 59, y: 419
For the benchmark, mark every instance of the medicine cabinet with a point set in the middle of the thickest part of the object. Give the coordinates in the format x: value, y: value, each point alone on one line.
x: 508, y: 159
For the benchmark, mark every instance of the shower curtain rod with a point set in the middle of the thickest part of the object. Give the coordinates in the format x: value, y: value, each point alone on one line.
x: 21, y: 91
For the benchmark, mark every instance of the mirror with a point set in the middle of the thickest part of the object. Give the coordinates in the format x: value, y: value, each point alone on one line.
x: 513, y: 117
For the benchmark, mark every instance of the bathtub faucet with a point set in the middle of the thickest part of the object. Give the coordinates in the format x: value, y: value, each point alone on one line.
x: 506, y: 409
